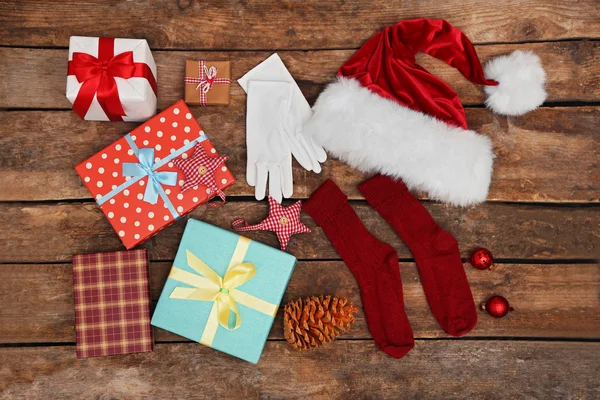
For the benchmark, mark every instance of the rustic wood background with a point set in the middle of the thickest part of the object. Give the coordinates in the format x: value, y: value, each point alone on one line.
x: 542, y: 220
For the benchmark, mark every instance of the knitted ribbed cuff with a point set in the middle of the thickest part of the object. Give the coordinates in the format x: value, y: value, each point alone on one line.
x: 324, y: 202
x: 380, y: 189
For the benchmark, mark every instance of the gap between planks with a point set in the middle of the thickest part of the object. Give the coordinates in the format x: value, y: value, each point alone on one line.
x: 445, y: 339
x: 215, y: 50
x: 497, y: 261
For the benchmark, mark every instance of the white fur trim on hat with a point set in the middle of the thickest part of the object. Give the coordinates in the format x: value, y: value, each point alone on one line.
x: 375, y: 134
x: 521, y: 81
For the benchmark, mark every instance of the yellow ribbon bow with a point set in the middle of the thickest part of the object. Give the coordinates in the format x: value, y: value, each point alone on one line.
x: 209, y: 286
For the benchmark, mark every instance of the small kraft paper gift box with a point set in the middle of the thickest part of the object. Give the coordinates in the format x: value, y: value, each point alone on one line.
x: 207, y: 82
x: 112, y: 305
x: 155, y: 174
x: 223, y: 290
x: 111, y: 79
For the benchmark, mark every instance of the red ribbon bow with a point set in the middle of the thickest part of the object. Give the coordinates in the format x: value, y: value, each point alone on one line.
x: 98, y: 77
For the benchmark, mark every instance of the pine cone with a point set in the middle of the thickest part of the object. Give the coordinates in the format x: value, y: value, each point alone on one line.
x: 315, y: 321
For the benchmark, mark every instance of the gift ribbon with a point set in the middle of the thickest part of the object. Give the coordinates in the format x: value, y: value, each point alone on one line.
x: 207, y: 285
x: 207, y: 77
x: 147, y: 167
x: 98, y: 78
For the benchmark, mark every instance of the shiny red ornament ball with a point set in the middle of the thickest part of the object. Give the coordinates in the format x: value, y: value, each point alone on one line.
x: 482, y: 259
x: 497, y: 306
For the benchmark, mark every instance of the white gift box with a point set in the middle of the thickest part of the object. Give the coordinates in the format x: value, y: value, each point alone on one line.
x: 136, y: 94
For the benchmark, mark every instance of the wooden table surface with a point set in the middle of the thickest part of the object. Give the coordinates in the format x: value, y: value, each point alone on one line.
x: 542, y: 220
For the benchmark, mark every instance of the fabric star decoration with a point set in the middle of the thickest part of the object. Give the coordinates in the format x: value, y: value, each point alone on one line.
x: 199, y: 169
x: 284, y: 221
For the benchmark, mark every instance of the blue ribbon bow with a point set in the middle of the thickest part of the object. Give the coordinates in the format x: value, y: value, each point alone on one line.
x: 146, y: 167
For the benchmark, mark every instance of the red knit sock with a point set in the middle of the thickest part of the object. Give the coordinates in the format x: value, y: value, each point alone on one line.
x: 435, y: 251
x: 374, y: 265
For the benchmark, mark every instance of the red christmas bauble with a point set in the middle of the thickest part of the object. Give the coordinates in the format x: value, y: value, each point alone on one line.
x: 482, y: 259
x: 497, y: 306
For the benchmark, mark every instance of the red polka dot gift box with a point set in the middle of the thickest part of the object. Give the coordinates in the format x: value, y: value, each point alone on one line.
x: 142, y: 181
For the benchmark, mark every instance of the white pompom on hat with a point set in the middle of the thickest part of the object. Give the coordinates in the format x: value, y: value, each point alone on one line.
x: 521, y: 81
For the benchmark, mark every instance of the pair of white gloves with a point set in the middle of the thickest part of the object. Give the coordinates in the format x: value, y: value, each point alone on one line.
x: 276, y: 113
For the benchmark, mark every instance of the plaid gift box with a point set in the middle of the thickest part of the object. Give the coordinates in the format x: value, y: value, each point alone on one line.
x: 112, y: 305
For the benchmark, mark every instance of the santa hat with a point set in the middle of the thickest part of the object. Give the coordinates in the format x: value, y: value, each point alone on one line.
x: 387, y: 114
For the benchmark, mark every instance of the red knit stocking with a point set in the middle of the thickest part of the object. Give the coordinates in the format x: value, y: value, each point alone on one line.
x: 435, y: 251
x: 374, y: 265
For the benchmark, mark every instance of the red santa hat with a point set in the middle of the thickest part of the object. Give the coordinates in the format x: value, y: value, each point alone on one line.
x: 387, y: 114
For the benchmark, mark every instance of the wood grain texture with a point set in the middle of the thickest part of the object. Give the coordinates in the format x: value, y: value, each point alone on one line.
x: 269, y: 24
x: 551, y: 300
x: 550, y: 155
x: 53, y: 233
x: 345, y: 370
x: 572, y: 70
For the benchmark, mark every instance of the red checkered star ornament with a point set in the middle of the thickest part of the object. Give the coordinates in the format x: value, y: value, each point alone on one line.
x: 200, y: 169
x: 284, y: 221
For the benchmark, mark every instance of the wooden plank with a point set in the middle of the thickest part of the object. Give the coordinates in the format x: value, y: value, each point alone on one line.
x: 268, y: 24
x: 550, y: 155
x: 343, y: 370
x: 572, y: 70
x: 53, y: 232
x: 551, y: 300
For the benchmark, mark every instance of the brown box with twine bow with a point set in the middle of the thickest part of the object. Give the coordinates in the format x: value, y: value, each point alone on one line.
x: 207, y: 82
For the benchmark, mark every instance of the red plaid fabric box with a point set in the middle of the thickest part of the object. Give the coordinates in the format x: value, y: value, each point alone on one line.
x: 112, y: 304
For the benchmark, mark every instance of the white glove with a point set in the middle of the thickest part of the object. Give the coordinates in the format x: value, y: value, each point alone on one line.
x: 269, y: 153
x: 305, y: 150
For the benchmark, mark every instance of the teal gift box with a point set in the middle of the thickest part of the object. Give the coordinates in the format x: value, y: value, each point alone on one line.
x: 223, y: 290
